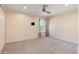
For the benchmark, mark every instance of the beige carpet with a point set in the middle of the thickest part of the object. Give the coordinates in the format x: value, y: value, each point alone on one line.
x: 40, y: 46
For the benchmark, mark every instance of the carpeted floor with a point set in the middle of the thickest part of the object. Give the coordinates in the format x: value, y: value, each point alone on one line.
x: 44, y: 45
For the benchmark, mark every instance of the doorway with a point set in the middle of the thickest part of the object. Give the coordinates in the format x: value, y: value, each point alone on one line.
x: 42, y: 27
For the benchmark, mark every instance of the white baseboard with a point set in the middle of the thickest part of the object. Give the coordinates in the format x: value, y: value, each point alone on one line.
x: 63, y: 40
x: 2, y: 48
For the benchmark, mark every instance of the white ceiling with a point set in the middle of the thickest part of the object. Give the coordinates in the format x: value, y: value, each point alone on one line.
x: 36, y: 9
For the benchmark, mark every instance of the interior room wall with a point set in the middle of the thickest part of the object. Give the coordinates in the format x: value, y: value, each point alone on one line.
x: 18, y: 27
x: 78, y: 29
x: 64, y: 26
x: 47, y: 19
x: 2, y: 28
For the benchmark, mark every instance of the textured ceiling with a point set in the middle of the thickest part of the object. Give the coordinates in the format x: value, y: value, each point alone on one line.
x: 36, y: 9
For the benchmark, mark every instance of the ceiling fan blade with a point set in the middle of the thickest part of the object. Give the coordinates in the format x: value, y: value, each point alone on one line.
x: 44, y: 9
x: 47, y: 12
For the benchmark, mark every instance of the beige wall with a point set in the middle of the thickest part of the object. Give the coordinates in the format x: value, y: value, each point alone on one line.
x: 18, y: 27
x: 78, y: 29
x: 2, y: 28
x: 64, y: 26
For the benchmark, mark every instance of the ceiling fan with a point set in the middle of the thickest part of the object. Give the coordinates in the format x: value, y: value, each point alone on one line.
x: 44, y: 9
